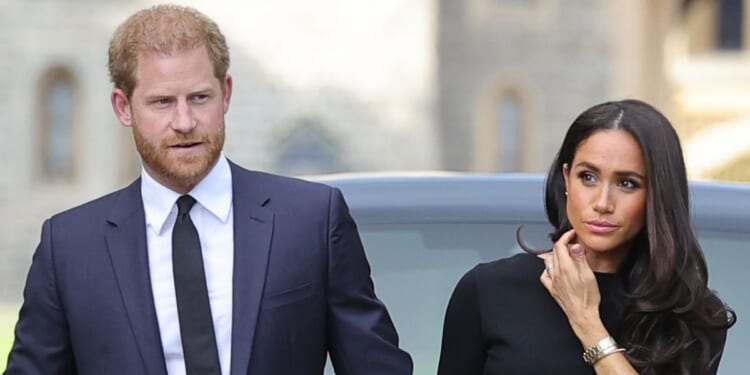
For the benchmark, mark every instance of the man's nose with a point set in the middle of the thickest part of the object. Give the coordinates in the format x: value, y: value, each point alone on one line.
x: 184, y: 121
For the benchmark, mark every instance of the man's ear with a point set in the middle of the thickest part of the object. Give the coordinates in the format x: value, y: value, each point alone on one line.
x: 121, y: 105
x: 226, y: 86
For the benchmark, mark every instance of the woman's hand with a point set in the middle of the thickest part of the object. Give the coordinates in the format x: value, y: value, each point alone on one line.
x: 571, y: 282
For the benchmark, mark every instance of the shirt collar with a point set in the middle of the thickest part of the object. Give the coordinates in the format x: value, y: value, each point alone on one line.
x: 214, y: 193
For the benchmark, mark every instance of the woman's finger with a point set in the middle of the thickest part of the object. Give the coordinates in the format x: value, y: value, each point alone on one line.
x: 561, y: 258
x: 547, y: 258
x: 546, y: 280
x: 577, y: 252
x: 565, y: 240
x: 578, y: 256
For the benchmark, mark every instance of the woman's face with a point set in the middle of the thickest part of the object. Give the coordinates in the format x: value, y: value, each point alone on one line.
x: 606, y: 192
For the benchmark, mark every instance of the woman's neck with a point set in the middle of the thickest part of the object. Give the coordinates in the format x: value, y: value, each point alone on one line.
x: 607, y: 261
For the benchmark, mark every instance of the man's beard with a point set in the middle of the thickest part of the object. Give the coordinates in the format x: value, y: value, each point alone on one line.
x: 183, y: 172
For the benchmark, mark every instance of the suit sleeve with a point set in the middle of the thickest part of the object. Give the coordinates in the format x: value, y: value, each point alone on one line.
x: 42, y: 343
x: 362, y: 338
x: 463, y: 351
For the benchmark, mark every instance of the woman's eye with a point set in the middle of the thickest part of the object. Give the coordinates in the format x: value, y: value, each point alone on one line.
x: 587, y: 177
x: 629, y: 184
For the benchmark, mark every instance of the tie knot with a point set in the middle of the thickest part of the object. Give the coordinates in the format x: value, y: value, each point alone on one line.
x: 184, y: 204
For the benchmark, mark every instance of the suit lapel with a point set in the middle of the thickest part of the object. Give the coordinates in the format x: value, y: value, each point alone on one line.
x: 126, y: 243
x: 253, y: 227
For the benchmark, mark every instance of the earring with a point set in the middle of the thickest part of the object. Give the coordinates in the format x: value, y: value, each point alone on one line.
x: 566, y: 193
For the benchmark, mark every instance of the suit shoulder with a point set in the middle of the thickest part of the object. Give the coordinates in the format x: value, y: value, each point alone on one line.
x: 277, y: 185
x: 292, y: 182
x: 94, y: 209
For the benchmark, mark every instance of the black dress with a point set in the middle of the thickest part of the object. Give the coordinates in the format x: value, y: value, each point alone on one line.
x: 501, y: 320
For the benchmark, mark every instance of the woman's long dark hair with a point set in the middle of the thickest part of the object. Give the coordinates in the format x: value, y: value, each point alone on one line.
x: 672, y: 322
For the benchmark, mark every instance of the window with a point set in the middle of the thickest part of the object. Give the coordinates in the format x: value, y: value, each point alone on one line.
x: 714, y: 25
x: 416, y: 266
x: 727, y: 256
x: 511, y: 2
x: 731, y: 19
x: 307, y: 150
x: 500, y: 133
x: 58, y: 103
x: 508, y: 122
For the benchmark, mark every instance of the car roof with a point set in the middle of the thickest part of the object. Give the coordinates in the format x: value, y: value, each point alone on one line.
x: 506, y: 197
x: 442, y: 198
x: 720, y: 206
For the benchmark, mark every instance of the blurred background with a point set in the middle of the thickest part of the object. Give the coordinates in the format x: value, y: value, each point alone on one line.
x: 353, y: 85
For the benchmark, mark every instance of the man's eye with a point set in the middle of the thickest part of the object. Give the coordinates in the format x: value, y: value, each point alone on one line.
x: 161, y: 101
x: 200, y: 98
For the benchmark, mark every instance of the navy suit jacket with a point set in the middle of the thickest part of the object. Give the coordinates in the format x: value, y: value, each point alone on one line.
x: 302, y: 289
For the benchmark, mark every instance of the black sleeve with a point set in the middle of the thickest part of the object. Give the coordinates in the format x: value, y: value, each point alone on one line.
x: 463, y: 351
x: 718, y: 338
x: 717, y: 349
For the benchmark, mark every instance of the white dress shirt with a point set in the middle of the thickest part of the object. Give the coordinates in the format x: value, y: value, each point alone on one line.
x: 213, y: 218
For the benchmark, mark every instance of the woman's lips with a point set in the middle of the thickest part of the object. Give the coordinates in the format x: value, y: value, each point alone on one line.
x: 600, y: 227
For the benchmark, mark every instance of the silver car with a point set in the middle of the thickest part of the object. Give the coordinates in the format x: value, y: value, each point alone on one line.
x: 423, y: 232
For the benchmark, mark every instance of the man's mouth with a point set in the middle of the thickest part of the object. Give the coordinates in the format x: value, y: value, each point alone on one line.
x: 186, y: 144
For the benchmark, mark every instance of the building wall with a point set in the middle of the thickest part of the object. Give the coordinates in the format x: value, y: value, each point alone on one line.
x: 558, y: 57
x: 30, y: 47
x: 349, y: 84
x: 330, y: 86
x: 711, y: 89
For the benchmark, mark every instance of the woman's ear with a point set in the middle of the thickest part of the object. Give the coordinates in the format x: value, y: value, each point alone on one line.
x: 566, y: 176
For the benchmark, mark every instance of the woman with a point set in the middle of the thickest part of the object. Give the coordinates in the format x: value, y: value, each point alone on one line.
x: 624, y: 288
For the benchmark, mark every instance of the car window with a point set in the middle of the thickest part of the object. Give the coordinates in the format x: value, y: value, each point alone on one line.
x: 416, y: 266
x: 728, y: 258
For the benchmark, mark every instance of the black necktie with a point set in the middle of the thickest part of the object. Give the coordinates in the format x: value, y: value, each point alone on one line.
x: 196, y: 325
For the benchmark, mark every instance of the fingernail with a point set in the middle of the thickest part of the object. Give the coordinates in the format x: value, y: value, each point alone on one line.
x: 577, y: 250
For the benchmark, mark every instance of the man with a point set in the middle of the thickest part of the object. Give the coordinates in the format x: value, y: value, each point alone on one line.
x: 199, y: 266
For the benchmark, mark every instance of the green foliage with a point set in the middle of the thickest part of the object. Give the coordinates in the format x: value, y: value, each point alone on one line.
x: 8, y: 316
